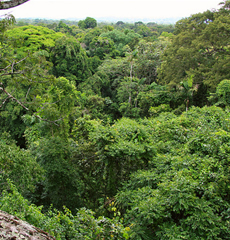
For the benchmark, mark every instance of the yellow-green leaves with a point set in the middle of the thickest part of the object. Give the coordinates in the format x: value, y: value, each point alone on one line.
x: 33, y: 38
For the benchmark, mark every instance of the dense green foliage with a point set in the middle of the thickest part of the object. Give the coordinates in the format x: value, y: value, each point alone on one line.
x: 197, y: 49
x: 184, y: 192
x: 117, y: 131
x: 62, y: 224
x: 19, y: 166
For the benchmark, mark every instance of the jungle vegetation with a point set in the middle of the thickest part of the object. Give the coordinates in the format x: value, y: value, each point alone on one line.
x: 117, y: 131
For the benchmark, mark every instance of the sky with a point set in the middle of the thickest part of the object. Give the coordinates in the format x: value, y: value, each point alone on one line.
x: 118, y: 9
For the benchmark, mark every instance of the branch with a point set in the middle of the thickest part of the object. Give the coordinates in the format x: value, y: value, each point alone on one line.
x: 31, y: 81
x: 4, y: 101
x: 27, y: 92
x: 5, y: 68
x: 12, y: 73
x: 12, y: 97
x: 27, y: 109
x: 46, y: 120
x: 11, y: 3
x: 12, y: 68
x: 44, y: 105
x: 22, y: 59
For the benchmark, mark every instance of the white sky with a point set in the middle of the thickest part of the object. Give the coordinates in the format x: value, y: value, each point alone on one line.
x: 122, y: 9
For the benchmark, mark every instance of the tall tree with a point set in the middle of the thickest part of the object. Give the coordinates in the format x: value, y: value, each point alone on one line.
x: 26, y: 86
x: 199, y: 48
x: 70, y: 60
x: 87, y: 23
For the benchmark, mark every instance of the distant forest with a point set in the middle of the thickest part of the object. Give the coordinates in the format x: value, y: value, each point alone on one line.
x: 52, y: 24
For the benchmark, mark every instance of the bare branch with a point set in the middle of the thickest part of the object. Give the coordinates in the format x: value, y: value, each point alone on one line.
x: 27, y: 92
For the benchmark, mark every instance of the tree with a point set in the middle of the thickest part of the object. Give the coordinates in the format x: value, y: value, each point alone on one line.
x: 183, y: 194
x: 27, y: 90
x: 223, y: 91
x: 18, y: 165
x: 120, y: 23
x: 90, y: 22
x: 106, y: 155
x: 87, y: 23
x: 197, y: 49
x: 127, y: 95
x: 23, y: 77
x: 121, y: 39
x: 149, y: 59
x: 33, y: 38
x: 81, y: 24
x: 61, y: 184
x: 138, y: 23
x: 107, y: 78
x: 70, y: 60
x: 188, y: 89
x: 102, y: 47
x: 6, y: 4
x: 145, y: 31
x: 222, y: 95
x: 63, y: 27
x: 131, y: 58
x: 151, y: 99
x: 89, y: 36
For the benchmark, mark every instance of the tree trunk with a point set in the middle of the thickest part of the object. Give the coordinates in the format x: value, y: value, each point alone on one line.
x: 4, y: 4
x: 131, y: 78
x: 187, y: 103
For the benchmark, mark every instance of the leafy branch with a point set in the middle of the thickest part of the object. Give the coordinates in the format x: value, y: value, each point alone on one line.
x: 9, y: 96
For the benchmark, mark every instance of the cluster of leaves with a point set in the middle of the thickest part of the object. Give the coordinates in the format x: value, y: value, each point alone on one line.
x: 62, y: 224
x: 197, y: 49
x: 184, y: 193
x: 33, y: 38
x: 18, y: 165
